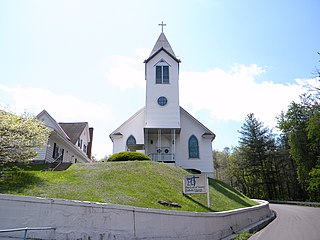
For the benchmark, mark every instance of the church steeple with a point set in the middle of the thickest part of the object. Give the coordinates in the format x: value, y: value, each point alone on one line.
x: 162, y: 42
x: 162, y: 86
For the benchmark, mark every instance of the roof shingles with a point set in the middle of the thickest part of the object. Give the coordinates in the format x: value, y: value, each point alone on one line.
x: 73, y: 130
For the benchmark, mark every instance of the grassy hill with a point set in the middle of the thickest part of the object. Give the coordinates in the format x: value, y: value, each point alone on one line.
x: 139, y: 183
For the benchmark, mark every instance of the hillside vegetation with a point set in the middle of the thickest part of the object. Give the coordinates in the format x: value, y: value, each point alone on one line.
x: 137, y: 183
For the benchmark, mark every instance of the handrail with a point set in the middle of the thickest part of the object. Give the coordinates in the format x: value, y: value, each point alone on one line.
x: 26, y: 230
x: 59, y: 160
x: 56, y: 166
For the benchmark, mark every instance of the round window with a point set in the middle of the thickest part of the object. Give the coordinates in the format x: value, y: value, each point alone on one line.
x: 162, y: 101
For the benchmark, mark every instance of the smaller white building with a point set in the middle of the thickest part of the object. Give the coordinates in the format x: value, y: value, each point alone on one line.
x: 68, y: 142
x: 162, y: 129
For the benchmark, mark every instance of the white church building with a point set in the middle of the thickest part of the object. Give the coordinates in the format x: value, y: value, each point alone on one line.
x: 162, y: 129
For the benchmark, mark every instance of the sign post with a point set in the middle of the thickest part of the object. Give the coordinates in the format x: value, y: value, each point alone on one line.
x: 196, y: 184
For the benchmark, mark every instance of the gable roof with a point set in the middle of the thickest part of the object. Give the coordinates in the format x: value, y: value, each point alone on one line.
x: 55, y: 126
x: 162, y: 44
x: 63, y: 133
x: 208, y: 133
x: 117, y: 132
x: 73, y: 130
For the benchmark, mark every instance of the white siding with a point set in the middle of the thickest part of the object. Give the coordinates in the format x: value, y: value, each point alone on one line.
x: 167, y: 116
x: 59, y: 137
x: 85, y: 137
x: 41, y: 154
x: 70, y: 154
x: 134, y: 127
x: 205, y: 162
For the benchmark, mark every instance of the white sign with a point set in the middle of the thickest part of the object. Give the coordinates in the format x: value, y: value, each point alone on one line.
x: 196, y: 183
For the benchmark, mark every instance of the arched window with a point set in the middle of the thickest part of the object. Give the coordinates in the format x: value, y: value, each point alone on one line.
x: 130, y: 140
x: 193, y: 146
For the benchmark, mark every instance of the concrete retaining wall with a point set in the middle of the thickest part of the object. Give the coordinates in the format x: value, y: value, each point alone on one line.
x: 89, y: 221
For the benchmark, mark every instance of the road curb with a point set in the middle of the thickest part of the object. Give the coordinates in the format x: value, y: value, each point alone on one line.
x: 261, y: 224
x: 255, y: 227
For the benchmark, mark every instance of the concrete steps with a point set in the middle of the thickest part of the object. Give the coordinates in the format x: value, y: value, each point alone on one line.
x: 61, y: 166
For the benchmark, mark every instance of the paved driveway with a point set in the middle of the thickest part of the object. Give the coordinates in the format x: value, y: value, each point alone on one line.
x: 292, y: 223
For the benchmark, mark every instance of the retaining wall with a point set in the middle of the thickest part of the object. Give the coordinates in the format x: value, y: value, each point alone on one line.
x: 89, y: 221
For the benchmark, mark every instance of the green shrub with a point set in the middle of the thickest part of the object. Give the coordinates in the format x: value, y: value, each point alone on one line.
x: 128, y: 156
x: 243, y: 236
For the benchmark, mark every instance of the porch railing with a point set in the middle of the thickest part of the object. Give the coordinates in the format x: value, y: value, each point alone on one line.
x: 162, y: 157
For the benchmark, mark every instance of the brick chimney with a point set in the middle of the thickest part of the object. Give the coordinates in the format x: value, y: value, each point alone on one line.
x: 89, y: 153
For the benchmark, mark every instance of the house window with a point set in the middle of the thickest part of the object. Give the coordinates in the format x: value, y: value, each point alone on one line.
x: 193, y: 146
x: 84, y: 148
x: 80, y: 143
x: 130, y: 140
x: 55, y: 153
x: 162, y: 74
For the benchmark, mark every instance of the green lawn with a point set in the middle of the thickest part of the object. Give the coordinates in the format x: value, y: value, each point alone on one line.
x: 138, y: 183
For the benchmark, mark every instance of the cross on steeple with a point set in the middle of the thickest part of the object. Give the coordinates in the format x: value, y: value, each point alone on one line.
x: 162, y: 24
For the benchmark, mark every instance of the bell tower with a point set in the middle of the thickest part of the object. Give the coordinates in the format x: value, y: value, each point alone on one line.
x: 162, y: 86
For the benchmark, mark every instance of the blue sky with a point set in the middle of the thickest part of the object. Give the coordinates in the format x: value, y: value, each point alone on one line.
x: 83, y: 60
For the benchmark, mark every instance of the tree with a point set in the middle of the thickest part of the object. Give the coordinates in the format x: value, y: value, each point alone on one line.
x: 220, y: 159
x: 256, y: 149
x: 288, y: 186
x: 19, y: 136
x: 301, y: 124
x: 237, y: 169
x: 286, y: 167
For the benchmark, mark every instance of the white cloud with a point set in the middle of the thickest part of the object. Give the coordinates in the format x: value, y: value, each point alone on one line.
x: 61, y: 106
x: 126, y: 72
x: 232, y: 95
x: 64, y: 108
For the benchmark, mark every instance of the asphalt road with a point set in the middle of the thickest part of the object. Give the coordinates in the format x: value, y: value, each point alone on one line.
x: 292, y: 223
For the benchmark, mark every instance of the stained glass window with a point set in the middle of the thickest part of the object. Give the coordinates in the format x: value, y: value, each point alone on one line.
x: 193, y: 146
